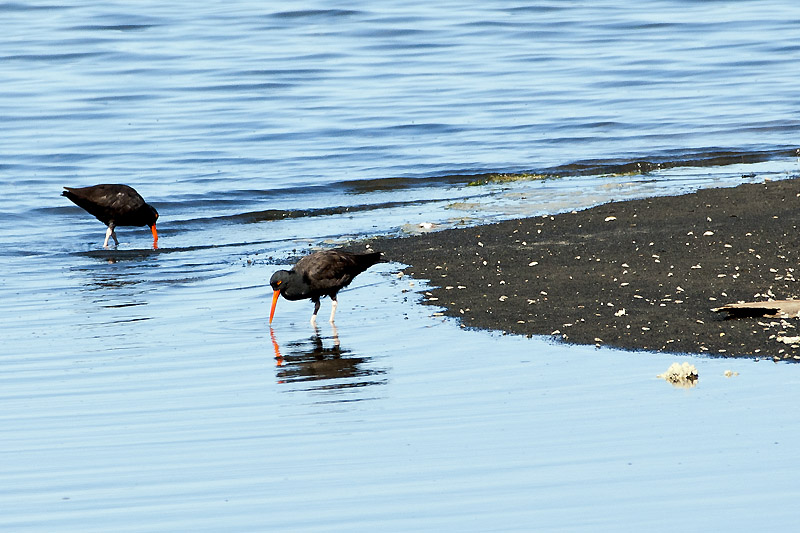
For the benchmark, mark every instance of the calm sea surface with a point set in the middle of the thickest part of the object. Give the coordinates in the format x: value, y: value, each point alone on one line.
x: 142, y: 390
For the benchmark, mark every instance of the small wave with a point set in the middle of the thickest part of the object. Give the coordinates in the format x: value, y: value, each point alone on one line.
x: 267, y: 215
x: 672, y: 159
x: 599, y: 167
x: 315, y: 13
x: 16, y: 7
x: 114, y: 27
x: 141, y: 254
x: 310, y: 201
x: 68, y: 56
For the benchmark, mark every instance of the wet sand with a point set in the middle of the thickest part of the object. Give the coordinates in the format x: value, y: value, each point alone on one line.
x: 639, y: 275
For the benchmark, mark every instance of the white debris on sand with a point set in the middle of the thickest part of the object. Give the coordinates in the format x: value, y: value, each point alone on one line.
x: 681, y: 375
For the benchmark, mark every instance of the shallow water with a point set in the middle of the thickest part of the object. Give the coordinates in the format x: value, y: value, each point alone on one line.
x: 410, y: 423
x: 143, y: 389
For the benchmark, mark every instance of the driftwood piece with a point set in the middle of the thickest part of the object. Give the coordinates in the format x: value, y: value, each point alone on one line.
x: 770, y: 309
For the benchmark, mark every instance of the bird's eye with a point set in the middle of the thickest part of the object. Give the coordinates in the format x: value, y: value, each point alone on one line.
x: 278, y: 283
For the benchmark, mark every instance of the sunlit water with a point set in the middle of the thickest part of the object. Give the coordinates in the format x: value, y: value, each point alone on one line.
x: 143, y: 389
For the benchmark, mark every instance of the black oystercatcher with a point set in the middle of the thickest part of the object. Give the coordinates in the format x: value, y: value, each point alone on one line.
x: 115, y: 205
x: 320, y: 274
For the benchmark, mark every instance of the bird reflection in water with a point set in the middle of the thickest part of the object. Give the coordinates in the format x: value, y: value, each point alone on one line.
x: 329, y: 367
x: 117, y: 278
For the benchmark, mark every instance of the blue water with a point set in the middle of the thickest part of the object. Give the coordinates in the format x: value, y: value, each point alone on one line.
x: 200, y: 102
x: 142, y: 389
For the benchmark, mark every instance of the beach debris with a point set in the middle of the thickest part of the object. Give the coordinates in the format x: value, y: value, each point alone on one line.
x: 682, y: 375
x: 417, y: 228
x: 609, y: 219
x: 730, y: 373
x: 789, y: 340
x: 769, y: 309
x: 621, y: 312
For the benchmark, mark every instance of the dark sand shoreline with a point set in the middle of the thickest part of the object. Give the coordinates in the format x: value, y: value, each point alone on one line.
x: 638, y: 275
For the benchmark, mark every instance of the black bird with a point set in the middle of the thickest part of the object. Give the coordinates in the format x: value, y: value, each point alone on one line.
x: 115, y: 205
x: 320, y: 274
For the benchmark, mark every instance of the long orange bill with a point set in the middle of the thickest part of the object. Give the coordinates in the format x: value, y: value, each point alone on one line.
x: 274, y: 303
x: 155, y: 236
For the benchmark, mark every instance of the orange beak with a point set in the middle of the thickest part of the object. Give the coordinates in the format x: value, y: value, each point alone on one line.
x: 155, y: 236
x: 274, y: 303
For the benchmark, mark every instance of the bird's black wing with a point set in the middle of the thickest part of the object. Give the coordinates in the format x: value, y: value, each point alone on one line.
x: 121, y: 199
x: 107, y: 202
x: 329, y: 270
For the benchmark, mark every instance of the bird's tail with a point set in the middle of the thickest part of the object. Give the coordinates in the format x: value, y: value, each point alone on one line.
x: 74, y: 198
x: 373, y: 257
x: 366, y: 260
